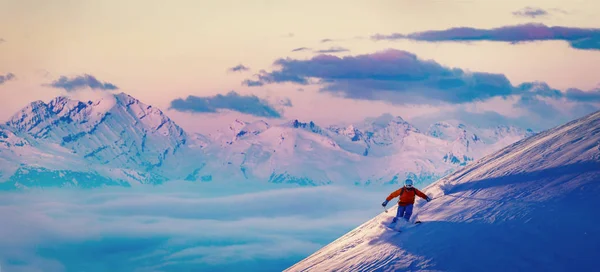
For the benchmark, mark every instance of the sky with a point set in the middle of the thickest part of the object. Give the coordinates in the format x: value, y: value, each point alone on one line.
x: 332, y: 62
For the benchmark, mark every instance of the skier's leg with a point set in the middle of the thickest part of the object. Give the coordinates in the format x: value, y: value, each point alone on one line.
x: 399, y: 213
x: 408, y: 212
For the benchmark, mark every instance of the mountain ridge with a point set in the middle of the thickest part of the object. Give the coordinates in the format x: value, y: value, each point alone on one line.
x: 121, y: 138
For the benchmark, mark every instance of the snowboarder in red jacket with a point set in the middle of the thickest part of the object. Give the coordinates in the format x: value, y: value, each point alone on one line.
x: 406, y: 197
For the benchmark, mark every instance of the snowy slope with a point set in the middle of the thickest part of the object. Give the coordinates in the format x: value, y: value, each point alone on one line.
x: 531, y: 206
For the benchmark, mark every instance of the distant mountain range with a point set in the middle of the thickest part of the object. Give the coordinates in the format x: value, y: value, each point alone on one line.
x: 121, y: 141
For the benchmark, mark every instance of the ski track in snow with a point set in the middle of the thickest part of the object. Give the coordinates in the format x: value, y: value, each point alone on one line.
x: 531, y: 206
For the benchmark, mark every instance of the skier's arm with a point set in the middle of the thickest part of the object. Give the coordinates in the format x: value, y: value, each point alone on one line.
x: 392, y: 195
x: 422, y: 195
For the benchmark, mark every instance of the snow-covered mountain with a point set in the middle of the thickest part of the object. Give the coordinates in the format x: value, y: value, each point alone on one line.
x: 113, y: 131
x: 469, y: 142
x: 291, y: 152
x: 375, y: 136
x: 531, y: 206
x: 118, y: 140
x: 114, y: 138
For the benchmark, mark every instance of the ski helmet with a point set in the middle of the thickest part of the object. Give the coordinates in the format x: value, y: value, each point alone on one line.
x: 408, y: 183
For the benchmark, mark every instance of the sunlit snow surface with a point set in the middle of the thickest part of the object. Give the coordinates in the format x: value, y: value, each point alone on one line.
x: 532, y: 206
x: 180, y: 226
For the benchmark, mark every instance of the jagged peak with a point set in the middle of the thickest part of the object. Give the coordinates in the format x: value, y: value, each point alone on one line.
x: 299, y: 124
x: 310, y: 126
x: 449, y: 131
x: 385, y: 122
x: 386, y: 119
x: 261, y: 121
x: 506, y: 128
x: 257, y: 123
x: 29, y: 115
x: 32, y: 107
x: 59, y: 100
x: 238, y: 122
x: 237, y: 125
x: 137, y: 106
x: 126, y: 98
x: 60, y: 103
x: 37, y: 103
x: 67, y: 108
x: 254, y: 128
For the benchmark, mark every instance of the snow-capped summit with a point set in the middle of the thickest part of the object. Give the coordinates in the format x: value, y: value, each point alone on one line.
x: 253, y: 128
x: 310, y: 126
x: 470, y: 142
x: 387, y: 129
x: 501, y: 131
x: 30, y: 116
x: 379, y: 136
x: 238, y: 129
x: 445, y: 131
x: 503, y: 212
x: 451, y: 132
x: 351, y: 132
x: 116, y: 130
x: 465, y: 144
x: 289, y: 152
x: 236, y: 125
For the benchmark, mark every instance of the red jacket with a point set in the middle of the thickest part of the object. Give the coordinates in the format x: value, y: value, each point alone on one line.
x: 407, y: 195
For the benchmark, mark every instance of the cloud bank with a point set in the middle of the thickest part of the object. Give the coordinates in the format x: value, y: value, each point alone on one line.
x: 391, y: 75
x: 81, y: 82
x: 179, y: 227
x: 7, y: 77
x: 401, y: 77
x: 579, y: 95
x: 579, y: 38
x: 231, y: 101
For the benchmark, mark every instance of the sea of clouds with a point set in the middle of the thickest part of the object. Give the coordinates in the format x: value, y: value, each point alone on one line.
x: 177, y: 227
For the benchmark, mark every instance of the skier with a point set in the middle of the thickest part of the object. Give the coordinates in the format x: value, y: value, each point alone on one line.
x: 406, y: 196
